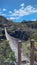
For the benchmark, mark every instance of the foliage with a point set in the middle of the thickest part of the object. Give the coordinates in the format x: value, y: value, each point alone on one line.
x: 5, y: 52
x: 34, y: 36
x: 26, y: 47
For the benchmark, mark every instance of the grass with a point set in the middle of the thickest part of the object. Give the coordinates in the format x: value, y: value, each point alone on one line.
x: 26, y: 48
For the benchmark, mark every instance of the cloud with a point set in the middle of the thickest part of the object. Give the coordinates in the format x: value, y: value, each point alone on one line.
x: 18, y: 13
x: 22, y: 4
x: 10, y: 12
x: 33, y: 20
x: 23, y: 11
x: 30, y: 9
x: 4, y: 9
x: 3, y: 14
x: 11, y: 18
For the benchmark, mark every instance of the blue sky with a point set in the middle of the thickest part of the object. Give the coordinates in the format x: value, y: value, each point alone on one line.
x: 19, y: 10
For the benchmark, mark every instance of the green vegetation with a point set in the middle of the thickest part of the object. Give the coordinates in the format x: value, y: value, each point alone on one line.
x: 6, y: 55
x: 26, y: 47
x: 35, y: 36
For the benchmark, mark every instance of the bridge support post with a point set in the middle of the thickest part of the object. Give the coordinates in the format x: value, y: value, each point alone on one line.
x: 19, y: 52
x: 32, y: 52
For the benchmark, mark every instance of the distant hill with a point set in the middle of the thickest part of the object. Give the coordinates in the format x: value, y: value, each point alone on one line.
x: 31, y: 24
x: 23, y: 24
x: 5, y: 22
x: 16, y: 29
x: 24, y: 30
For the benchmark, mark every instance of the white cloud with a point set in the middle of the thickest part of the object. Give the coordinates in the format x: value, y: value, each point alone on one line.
x: 2, y: 14
x: 24, y: 11
x: 12, y: 18
x: 10, y: 12
x: 4, y: 9
x: 33, y: 20
x: 30, y: 9
x: 22, y: 4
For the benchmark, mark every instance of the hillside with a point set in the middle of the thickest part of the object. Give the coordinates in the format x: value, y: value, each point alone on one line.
x: 4, y: 21
x: 31, y: 24
x: 22, y: 30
